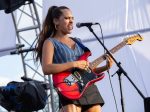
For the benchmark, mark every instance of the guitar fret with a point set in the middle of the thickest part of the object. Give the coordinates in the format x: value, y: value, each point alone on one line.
x: 116, y: 48
x: 99, y: 60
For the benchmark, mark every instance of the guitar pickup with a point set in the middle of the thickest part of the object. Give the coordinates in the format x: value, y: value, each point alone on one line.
x: 70, y: 80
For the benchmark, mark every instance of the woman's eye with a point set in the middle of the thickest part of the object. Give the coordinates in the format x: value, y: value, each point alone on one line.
x: 66, y: 18
x: 70, y: 18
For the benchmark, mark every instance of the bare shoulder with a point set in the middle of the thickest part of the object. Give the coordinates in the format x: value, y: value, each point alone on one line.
x: 48, y: 49
x: 48, y: 43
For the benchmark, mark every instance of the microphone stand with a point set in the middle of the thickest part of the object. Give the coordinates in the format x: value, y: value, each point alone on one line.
x: 119, y: 71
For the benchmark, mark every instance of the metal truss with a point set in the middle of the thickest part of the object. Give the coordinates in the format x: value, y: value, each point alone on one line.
x: 27, y: 24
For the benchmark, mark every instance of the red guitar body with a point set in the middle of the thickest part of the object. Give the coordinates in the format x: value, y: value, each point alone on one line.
x: 72, y: 84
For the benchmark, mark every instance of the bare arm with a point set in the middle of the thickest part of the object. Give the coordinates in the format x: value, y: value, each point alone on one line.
x: 100, y: 69
x: 47, y: 61
x: 106, y: 67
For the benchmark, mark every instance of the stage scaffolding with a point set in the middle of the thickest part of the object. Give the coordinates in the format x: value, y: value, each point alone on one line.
x: 27, y: 22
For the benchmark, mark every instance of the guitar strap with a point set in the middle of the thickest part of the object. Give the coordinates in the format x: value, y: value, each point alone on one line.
x: 81, y: 45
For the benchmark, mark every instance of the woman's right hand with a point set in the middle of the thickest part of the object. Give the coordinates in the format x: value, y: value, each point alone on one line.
x: 81, y: 64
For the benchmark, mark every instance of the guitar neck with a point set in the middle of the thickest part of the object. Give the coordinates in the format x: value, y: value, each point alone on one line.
x: 100, y: 59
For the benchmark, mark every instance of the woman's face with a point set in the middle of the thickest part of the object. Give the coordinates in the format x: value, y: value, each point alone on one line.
x: 65, y: 22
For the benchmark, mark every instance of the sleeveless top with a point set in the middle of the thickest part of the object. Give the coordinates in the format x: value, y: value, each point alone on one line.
x: 63, y: 54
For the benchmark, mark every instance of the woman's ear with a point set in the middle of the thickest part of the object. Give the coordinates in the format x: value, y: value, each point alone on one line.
x: 55, y: 21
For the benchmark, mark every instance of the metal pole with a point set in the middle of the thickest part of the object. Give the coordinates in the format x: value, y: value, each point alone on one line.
x: 52, y: 93
x: 22, y: 57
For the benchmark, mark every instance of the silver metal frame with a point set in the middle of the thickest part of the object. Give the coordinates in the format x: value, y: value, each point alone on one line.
x: 28, y: 61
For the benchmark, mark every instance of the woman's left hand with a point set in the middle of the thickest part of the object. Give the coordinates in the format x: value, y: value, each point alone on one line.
x: 109, y: 61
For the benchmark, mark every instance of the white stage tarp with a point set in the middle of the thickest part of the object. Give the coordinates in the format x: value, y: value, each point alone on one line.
x: 115, y: 17
x: 7, y: 34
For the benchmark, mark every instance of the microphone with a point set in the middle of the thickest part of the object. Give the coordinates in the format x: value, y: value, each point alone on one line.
x: 78, y: 25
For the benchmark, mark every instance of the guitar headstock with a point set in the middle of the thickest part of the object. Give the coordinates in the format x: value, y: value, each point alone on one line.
x: 130, y: 40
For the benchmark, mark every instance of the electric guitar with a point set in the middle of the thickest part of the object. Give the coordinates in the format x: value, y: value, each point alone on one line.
x: 72, y: 84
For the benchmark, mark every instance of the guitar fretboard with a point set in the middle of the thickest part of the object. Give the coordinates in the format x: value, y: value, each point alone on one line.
x: 100, y: 59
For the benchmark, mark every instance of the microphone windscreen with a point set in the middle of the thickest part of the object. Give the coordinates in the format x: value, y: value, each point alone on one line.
x: 78, y: 25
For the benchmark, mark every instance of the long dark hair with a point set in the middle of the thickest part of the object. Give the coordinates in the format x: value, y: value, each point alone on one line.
x: 48, y: 28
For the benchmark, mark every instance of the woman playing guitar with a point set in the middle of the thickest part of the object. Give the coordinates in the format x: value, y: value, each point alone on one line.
x: 58, y: 52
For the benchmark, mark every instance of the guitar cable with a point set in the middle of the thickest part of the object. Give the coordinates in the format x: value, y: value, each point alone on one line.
x: 108, y: 69
x: 112, y: 91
